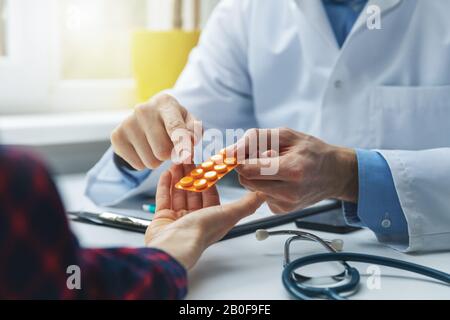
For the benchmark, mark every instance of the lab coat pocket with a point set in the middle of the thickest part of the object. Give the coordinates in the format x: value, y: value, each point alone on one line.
x: 411, y: 118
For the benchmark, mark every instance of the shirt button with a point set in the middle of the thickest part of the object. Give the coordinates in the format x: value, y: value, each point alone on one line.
x: 386, y: 223
x: 338, y: 84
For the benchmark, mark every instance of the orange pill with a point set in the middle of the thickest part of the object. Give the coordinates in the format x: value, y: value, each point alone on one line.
x: 197, y: 173
x: 230, y: 161
x: 220, y: 168
x: 186, y: 182
x: 207, y: 165
x: 211, y: 175
x: 217, y: 159
x: 200, y: 184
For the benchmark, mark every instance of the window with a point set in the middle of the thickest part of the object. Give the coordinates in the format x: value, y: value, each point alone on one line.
x: 95, y: 37
x: 3, y: 24
x: 75, y: 54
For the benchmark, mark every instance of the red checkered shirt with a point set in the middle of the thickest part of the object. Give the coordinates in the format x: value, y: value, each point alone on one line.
x: 39, y: 255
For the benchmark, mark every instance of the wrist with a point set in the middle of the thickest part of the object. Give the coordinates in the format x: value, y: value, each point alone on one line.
x: 174, y: 252
x: 346, y: 174
x: 183, y: 247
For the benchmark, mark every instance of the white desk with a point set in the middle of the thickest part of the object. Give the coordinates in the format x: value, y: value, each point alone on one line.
x: 244, y: 268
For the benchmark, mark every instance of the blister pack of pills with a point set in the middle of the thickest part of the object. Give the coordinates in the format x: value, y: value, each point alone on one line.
x: 208, y: 173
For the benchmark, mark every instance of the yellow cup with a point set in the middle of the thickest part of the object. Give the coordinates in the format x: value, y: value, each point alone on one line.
x: 159, y: 57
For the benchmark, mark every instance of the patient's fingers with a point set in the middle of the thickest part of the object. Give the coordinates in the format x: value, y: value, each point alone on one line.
x: 163, y: 200
x: 210, y: 197
x: 178, y: 196
x: 218, y: 220
x: 194, y: 199
x: 244, y: 207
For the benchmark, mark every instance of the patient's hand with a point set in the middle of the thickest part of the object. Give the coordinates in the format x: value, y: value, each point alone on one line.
x: 186, y: 223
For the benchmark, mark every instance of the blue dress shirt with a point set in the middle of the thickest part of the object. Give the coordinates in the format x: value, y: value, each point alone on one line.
x: 378, y: 205
x: 343, y: 15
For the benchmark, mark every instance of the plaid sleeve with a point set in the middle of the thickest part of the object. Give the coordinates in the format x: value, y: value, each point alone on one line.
x: 132, y: 274
x: 38, y: 250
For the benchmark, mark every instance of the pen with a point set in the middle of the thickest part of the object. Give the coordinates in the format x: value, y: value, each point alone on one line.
x: 113, y: 220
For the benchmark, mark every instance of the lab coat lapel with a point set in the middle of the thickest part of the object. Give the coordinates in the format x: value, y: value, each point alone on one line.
x: 384, y: 5
x: 316, y: 15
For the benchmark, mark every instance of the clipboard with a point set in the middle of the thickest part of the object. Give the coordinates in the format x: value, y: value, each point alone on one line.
x: 113, y: 220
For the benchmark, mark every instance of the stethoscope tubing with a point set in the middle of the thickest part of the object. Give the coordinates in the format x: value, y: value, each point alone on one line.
x: 303, y: 292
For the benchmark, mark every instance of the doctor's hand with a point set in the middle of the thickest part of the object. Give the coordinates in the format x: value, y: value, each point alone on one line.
x: 304, y: 169
x: 186, y: 223
x: 158, y: 130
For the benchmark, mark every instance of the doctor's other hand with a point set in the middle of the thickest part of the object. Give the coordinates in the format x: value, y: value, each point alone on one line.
x: 186, y: 223
x: 158, y: 130
x: 305, y: 170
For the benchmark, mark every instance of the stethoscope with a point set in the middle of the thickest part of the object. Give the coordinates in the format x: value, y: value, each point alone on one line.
x: 348, y: 281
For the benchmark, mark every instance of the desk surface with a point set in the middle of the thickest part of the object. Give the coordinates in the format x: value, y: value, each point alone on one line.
x: 244, y: 268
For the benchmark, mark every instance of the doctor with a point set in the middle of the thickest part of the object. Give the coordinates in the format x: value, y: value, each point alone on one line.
x: 368, y: 111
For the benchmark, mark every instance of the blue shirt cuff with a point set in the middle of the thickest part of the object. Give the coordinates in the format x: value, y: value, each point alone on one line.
x: 106, y: 182
x: 378, y: 205
x: 135, y: 178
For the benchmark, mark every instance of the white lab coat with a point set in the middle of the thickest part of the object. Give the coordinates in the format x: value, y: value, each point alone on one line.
x: 276, y: 63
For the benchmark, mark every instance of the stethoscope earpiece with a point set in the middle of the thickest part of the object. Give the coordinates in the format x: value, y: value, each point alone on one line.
x: 338, y: 244
x: 261, y: 234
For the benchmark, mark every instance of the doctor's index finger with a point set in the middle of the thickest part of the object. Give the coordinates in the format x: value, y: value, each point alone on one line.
x: 195, y: 127
x: 255, y: 144
x: 174, y: 119
x: 261, y: 169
